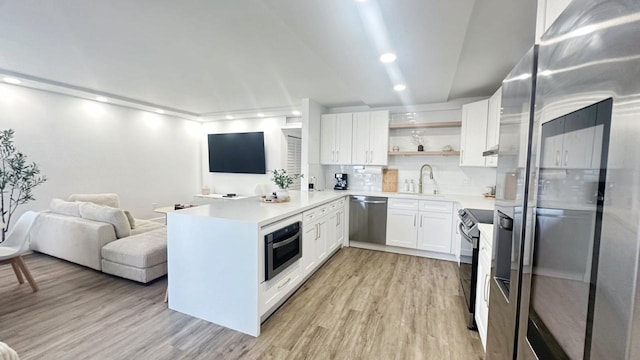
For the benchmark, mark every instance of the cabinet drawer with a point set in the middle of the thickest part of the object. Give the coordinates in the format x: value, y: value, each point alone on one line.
x: 403, y: 204
x: 322, y: 210
x: 437, y: 206
x: 277, y: 288
x: 309, y: 216
x: 338, y: 204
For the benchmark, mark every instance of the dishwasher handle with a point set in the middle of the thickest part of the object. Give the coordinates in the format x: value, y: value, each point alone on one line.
x: 369, y: 201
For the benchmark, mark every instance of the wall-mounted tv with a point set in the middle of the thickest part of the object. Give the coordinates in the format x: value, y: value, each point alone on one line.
x: 241, y: 153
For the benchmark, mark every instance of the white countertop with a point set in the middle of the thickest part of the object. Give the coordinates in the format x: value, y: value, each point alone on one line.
x: 252, y: 210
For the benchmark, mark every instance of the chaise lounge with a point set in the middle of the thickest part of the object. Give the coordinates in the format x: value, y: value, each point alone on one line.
x: 92, y: 230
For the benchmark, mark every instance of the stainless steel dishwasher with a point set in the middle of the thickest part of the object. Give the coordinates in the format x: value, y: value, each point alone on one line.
x: 368, y: 219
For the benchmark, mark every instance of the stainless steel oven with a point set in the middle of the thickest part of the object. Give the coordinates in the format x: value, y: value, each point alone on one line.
x: 282, y: 248
x: 468, y: 272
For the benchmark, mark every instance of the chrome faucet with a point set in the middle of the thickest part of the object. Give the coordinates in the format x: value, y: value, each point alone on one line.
x: 421, y: 176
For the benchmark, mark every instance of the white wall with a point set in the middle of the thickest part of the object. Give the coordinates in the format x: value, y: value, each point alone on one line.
x: 311, y: 112
x: 244, y: 184
x: 85, y: 146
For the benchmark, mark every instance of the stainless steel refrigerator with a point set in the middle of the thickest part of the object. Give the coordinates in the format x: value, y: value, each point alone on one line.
x: 570, y: 203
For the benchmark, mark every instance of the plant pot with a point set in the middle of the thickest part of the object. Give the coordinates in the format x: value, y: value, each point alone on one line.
x: 282, y: 193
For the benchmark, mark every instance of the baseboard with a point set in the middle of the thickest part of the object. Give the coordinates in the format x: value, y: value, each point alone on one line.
x: 403, y: 251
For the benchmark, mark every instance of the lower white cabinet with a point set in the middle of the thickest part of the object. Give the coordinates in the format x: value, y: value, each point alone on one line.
x: 402, y: 228
x: 434, y: 231
x: 482, y: 289
x: 428, y: 227
x: 323, y: 232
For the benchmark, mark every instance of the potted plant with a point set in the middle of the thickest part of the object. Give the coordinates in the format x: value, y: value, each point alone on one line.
x: 283, y: 181
x: 17, y: 179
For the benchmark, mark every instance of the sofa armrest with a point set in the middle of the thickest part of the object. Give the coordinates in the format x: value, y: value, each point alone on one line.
x: 71, y: 238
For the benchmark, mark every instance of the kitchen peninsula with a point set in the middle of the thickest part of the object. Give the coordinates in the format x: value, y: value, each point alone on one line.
x: 216, y: 255
x: 216, y: 252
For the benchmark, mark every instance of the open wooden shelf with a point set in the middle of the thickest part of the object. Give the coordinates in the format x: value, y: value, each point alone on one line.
x: 442, y: 124
x: 428, y: 153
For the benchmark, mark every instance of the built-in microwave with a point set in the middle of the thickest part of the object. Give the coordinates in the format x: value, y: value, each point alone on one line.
x: 282, y: 248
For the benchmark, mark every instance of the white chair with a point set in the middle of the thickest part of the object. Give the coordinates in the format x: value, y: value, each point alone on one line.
x: 15, y: 245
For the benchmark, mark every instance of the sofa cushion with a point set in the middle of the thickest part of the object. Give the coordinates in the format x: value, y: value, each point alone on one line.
x: 70, y: 208
x: 132, y: 220
x: 113, y: 216
x: 143, y: 275
x: 141, y: 251
x: 142, y: 226
x: 100, y: 199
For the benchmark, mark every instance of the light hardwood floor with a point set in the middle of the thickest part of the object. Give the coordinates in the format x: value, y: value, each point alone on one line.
x: 360, y: 305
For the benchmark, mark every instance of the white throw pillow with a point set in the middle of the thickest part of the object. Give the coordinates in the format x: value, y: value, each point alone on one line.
x: 70, y: 208
x: 113, y: 216
x: 100, y: 199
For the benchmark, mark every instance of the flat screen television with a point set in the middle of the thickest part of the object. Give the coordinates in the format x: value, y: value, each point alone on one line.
x: 241, y: 153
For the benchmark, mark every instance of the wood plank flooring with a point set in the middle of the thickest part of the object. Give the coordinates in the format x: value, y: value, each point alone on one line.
x: 361, y: 304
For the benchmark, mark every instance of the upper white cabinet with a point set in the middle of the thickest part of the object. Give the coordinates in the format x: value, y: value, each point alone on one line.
x: 335, y: 138
x: 493, y: 126
x: 370, y: 138
x: 473, y: 140
x: 548, y: 12
x: 570, y: 147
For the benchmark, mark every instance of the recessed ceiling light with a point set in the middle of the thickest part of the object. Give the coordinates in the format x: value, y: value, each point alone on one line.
x: 296, y: 112
x: 388, y: 58
x: 228, y: 117
x: 11, y: 80
x: 102, y: 98
x: 399, y: 87
x: 160, y: 111
x: 260, y: 115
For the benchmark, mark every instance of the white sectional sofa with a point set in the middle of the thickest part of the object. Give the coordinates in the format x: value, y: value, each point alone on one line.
x: 92, y: 230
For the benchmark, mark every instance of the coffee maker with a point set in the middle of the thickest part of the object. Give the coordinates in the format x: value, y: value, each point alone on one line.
x: 341, y: 181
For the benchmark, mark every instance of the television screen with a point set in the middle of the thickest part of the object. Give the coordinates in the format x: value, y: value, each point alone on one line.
x: 237, y: 153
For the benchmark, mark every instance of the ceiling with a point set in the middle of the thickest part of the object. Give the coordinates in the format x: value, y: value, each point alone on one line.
x: 206, y: 57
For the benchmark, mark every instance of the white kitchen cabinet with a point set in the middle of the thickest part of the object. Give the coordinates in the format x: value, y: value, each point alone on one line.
x: 493, y: 126
x: 335, y: 139
x: 370, y: 138
x: 402, y: 228
x: 309, y: 237
x: 473, y: 139
x: 482, y: 289
x: 324, y: 233
x: 434, y: 231
x: 420, y: 224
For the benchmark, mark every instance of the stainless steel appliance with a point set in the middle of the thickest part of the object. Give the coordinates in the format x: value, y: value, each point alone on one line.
x: 512, y: 179
x: 341, y: 182
x: 368, y: 219
x: 468, y: 271
x: 283, y: 247
x: 576, y: 272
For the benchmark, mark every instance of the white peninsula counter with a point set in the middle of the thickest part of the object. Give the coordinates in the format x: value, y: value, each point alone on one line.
x: 216, y: 255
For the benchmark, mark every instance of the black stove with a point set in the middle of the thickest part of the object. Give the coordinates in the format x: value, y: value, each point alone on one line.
x: 468, y: 270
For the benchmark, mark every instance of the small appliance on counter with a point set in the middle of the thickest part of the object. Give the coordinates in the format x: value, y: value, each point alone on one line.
x: 341, y: 181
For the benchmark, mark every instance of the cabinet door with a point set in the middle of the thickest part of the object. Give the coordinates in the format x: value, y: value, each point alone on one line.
x: 343, y: 138
x: 578, y: 143
x: 332, y: 232
x: 482, y: 300
x: 360, y: 146
x: 402, y: 229
x: 434, y: 232
x: 340, y: 228
x: 493, y: 126
x: 321, y: 241
x: 473, y: 139
x: 379, y: 138
x: 327, y: 139
x: 309, y: 238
